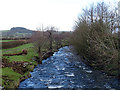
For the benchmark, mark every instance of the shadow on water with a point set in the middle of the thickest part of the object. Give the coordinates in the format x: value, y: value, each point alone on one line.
x: 65, y: 70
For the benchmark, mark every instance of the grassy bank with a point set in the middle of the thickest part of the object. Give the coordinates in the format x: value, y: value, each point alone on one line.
x: 12, y: 75
x: 16, y: 68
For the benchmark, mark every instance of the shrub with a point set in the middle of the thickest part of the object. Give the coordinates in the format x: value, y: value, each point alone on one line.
x: 94, y: 39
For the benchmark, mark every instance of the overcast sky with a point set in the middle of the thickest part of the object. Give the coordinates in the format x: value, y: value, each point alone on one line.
x: 32, y: 14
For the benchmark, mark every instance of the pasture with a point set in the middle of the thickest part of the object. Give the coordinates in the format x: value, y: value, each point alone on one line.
x: 12, y: 79
x: 6, y: 40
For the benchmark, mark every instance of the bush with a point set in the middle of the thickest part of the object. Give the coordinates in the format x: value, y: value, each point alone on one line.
x: 94, y: 40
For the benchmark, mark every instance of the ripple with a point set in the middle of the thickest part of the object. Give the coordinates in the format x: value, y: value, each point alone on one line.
x: 30, y: 85
x: 48, y: 80
x: 70, y: 75
x: 60, y: 68
x: 55, y: 86
x: 88, y: 71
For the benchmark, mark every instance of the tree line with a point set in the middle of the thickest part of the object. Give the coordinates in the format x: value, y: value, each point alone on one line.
x: 96, y: 38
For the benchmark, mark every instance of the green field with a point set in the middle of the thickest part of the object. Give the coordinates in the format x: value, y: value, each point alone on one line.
x: 6, y: 40
x: 17, y: 49
x: 10, y: 77
x: 29, y: 47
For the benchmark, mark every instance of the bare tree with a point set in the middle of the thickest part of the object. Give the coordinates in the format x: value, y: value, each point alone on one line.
x: 40, y: 41
x: 51, y: 31
x: 94, y: 37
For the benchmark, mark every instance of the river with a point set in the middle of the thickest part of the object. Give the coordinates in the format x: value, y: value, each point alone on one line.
x: 66, y: 70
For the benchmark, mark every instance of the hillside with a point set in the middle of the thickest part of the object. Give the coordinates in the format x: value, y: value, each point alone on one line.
x: 20, y: 30
x: 16, y: 32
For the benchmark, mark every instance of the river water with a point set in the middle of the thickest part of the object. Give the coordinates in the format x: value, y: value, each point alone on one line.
x: 65, y: 70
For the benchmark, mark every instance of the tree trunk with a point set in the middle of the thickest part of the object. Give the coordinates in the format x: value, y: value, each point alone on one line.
x: 50, y: 41
x: 40, y: 56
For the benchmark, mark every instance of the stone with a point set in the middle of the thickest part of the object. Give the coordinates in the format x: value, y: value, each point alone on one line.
x: 25, y: 64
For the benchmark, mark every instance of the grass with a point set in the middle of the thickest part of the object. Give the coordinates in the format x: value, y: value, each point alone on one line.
x: 0, y: 81
x: 17, y: 49
x: 0, y: 77
x: 18, y: 58
x: 6, y: 40
x: 26, y: 58
x: 10, y: 78
x: 10, y: 73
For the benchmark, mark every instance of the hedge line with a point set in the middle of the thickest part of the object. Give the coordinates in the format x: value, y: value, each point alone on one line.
x: 12, y: 44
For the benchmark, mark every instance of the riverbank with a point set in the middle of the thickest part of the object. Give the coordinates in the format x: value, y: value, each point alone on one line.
x: 110, y: 73
x: 66, y: 70
x: 17, y: 68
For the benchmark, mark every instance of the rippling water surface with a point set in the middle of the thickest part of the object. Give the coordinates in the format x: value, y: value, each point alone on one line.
x: 65, y: 70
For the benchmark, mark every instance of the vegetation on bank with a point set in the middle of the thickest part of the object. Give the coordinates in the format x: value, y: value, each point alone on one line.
x: 16, y: 68
x: 95, y: 38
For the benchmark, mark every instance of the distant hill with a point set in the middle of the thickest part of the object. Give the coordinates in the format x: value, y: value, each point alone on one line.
x: 17, y: 32
x: 20, y: 30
